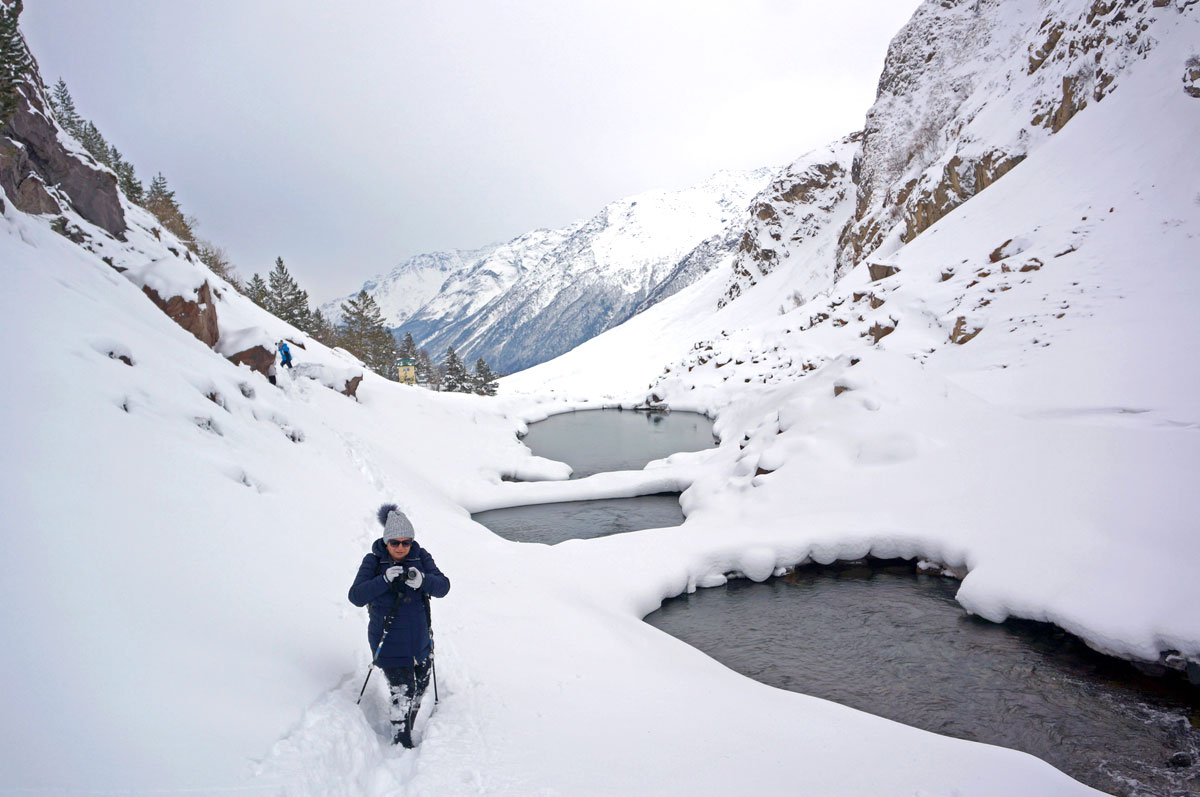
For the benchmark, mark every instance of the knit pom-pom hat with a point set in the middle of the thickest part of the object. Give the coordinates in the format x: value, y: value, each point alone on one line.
x: 396, y: 525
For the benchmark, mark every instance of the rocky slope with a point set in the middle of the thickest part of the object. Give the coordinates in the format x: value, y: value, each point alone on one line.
x: 968, y: 89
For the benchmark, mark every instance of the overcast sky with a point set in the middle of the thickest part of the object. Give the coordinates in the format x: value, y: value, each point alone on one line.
x: 347, y: 136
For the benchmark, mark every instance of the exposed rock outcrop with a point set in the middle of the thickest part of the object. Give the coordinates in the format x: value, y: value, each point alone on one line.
x: 1191, y: 77
x: 34, y: 164
x: 259, y: 358
x: 934, y: 139
x: 198, y: 317
x: 809, y: 197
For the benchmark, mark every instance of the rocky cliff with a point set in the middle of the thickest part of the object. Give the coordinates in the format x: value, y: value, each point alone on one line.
x: 968, y: 89
x: 45, y: 172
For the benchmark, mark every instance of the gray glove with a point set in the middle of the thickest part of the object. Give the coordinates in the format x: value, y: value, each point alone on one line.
x: 393, y: 572
x: 415, y: 578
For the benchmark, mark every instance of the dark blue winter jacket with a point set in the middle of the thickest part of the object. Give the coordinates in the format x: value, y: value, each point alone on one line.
x: 408, y: 640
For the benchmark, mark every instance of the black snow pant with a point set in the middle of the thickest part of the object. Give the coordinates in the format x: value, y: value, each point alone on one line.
x: 407, y: 685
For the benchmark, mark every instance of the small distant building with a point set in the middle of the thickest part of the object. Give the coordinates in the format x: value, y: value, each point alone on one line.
x: 406, y: 367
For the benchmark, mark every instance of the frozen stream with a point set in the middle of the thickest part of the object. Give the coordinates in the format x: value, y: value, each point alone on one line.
x: 882, y: 638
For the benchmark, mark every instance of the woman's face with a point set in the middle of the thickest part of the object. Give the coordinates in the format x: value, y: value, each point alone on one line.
x: 398, y: 549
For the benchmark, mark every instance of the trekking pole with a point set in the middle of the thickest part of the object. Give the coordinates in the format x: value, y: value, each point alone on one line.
x: 432, y: 648
x: 387, y: 626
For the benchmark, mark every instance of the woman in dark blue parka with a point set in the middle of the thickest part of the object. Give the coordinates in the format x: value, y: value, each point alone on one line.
x: 399, y: 575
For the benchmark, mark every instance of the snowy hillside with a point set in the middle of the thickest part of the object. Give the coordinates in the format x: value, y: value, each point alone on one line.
x: 541, y: 294
x: 1013, y: 391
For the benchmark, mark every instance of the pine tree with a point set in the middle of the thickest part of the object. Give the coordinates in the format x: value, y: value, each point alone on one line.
x: 160, y: 200
x: 427, y: 372
x: 64, y: 109
x: 408, y: 348
x: 256, y: 291
x: 127, y: 180
x: 286, y: 299
x: 364, y: 334
x: 15, y: 61
x: 95, y: 144
x: 320, y: 328
x: 456, y: 379
x: 484, y: 381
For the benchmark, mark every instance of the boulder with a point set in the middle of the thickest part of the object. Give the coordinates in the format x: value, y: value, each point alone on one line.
x: 259, y: 358
x: 198, y: 317
x: 880, y: 331
x: 879, y: 271
x: 32, y: 197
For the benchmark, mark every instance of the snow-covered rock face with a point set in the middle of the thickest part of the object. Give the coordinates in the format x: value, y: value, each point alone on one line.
x: 42, y: 171
x: 811, y: 196
x: 522, y: 302
x: 968, y: 89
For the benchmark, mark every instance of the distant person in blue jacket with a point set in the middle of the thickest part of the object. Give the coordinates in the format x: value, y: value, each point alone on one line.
x: 396, y: 580
x: 285, y: 354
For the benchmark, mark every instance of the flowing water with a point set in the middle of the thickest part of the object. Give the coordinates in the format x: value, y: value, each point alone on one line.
x: 882, y: 638
x: 886, y: 640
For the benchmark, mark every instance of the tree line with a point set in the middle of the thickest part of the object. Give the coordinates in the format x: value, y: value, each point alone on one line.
x: 363, y: 332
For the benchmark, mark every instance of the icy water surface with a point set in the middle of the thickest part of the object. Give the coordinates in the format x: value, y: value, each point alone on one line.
x: 581, y: 520
x: 896, y: 644
x: 592, y: 441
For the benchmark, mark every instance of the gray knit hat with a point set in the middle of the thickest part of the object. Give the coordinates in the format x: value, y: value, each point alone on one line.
x: 396, y: 525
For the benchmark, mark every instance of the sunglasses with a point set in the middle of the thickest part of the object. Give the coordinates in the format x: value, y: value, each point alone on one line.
x: 399, y: 543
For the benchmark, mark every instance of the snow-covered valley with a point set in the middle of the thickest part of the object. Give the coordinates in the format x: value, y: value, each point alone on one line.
x: 1009, y: 391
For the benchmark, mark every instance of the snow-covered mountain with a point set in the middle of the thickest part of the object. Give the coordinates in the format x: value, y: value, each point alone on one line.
x: 539, y: 295
x: 414, y: 282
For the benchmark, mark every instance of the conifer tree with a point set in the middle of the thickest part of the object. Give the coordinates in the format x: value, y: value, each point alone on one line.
x: 160, y: 200
x: 95, y: 144
x: 286, y: 299
x: 455, y: 377
x: 408, y: 348
x: 364, y: 334
x: 127, y: 180
x: 257, y: 292
x: 15, y: 61
x: 427, y: 372
x: 320, y: 328
x: 64, y: 109
x: 484, y: 381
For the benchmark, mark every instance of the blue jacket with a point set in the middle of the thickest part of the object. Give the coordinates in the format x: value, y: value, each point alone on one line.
x: 408, y: 640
